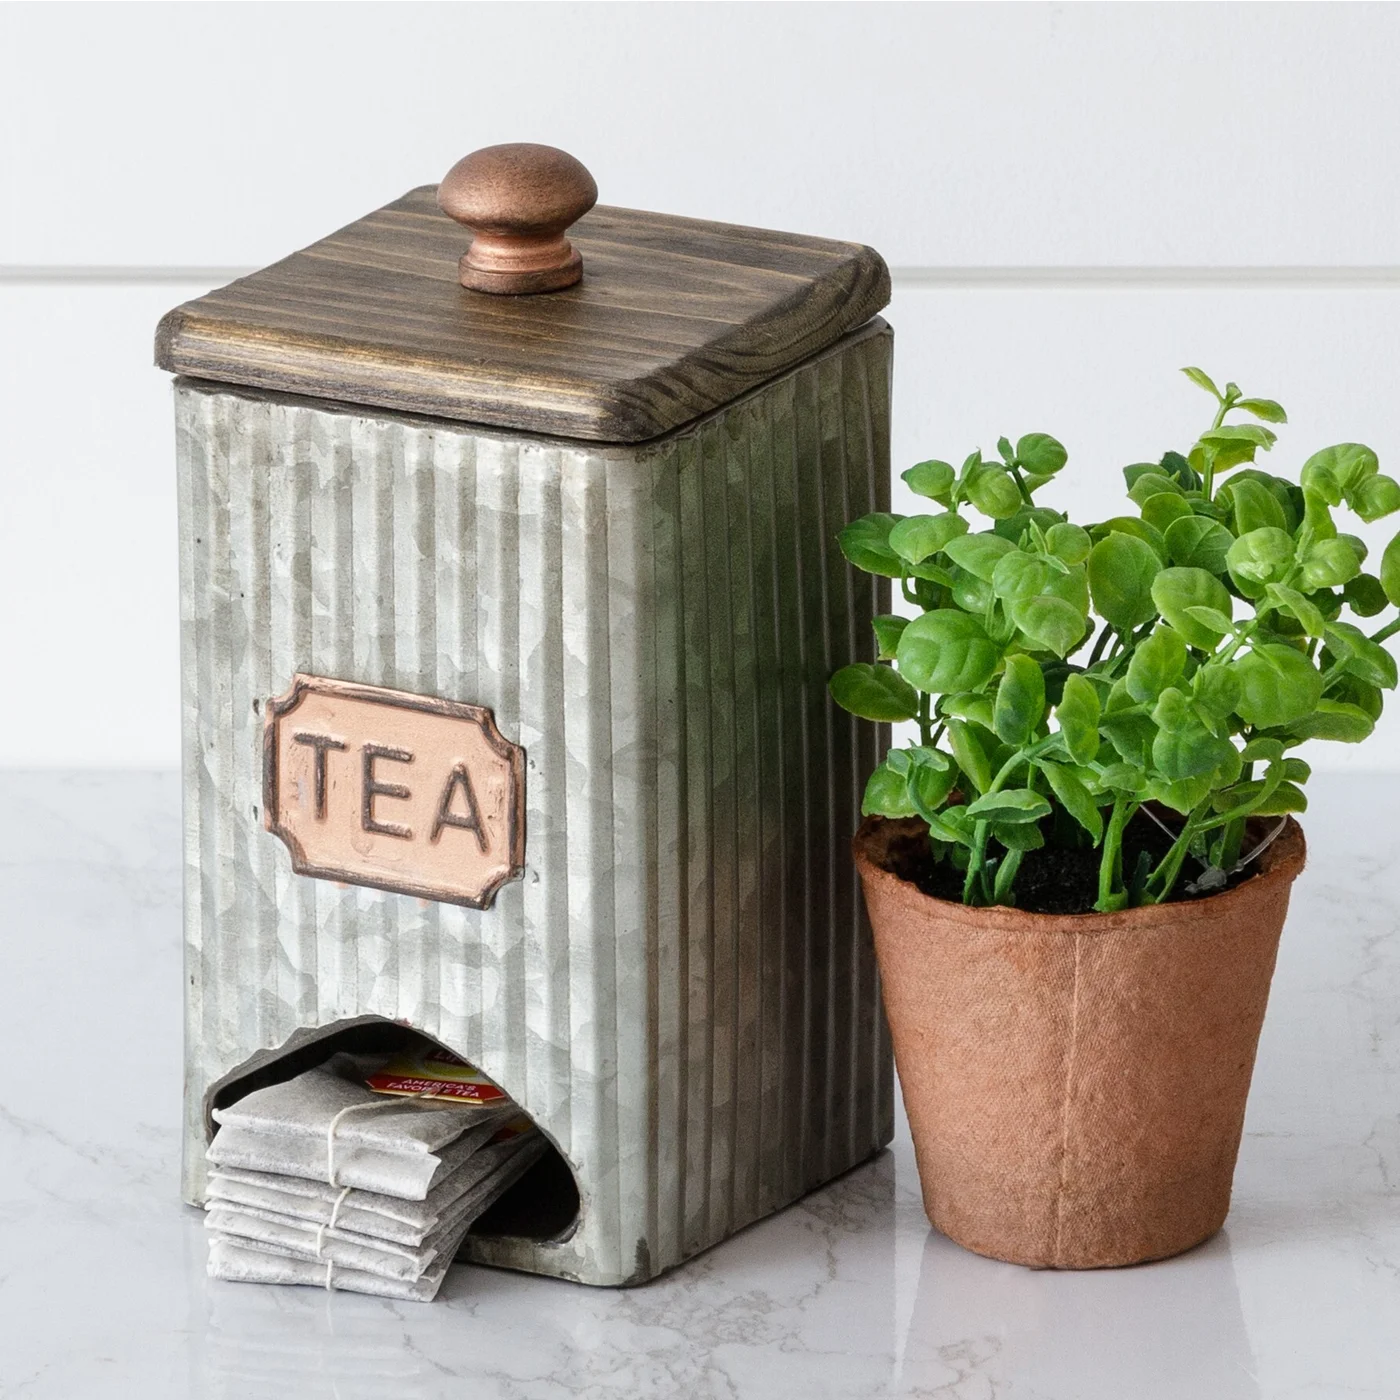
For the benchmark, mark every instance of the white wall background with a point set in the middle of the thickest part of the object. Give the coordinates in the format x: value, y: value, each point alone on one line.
x: 1076, y: 200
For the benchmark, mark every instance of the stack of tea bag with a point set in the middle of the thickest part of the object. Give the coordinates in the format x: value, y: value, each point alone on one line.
x: 325, y: 1180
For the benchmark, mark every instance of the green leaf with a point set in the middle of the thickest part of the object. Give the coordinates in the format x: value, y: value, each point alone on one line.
x: 1121, y: 570
x: 931, y: 479
x: 1183, y: 747
x: 978, y: 554
x: 931, y: 779
x: 1020, y: 701
x: 1018, y: 576
x: 935, y: 573
x: 1156, y: 663
x: 888, y: 629
x: 1198, y: 543
x: 1286, y: 797
x: 946, y: 650
x: 1077, y: 715
x: 1013, y: 805
x: 1162, y: 510
x: 951, y: 825
x: 1365, y: 595
x: 1179, y: 469
x: 1131, y: 733
x: 971, y: 756
x: 1358, y: 546
x: 1390, y: 571
x: 874, y: 692
x: 1293, y: 602
x: 1153, y: 483
x: 1121, y: 777
x: 993, y: 492
x: 1262, y: 750
x: 1266, y: 409
x: 866, y: 543
x: 1216, y: 690
x: 1023, y: 837
x: 1340, y: 469
x: 1329, y: 564
x: 1131, y: 525
x: 1359, y: 656
x: 974, y: 705
x: 1210, y: 618
x: 1183, y: 795
x: 1354, y: 691
x: 1278, y: 686
x: 1041, y: 454
x: 1050, y: 622
x: 1013, y: 527
x: 1074, y: 797
x: 886, y: 794
x: 1336, y: 720
x: 1072, y: 585
x: 1261, y: 557
x: 1282, y: 491
x: 1068, y: 542
x: 1200, y: 377
x: 1375, y: 497
x: 1255, y: 506
x: 1176, y: 591
x: 920, y: 536
x: 1233, y: 444
x: 972, y: 594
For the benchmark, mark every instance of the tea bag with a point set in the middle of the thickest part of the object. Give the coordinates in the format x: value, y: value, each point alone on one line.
x: 371, y: 1213
x: 236, y: 1261
x: 322, y: 1180
x: 284, y: 1235
x: 406, y: 1175
x: 309, y: 1105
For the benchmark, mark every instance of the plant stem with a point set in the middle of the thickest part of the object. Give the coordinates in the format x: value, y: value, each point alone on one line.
x: 1386, y: 632
x: 1006, y: 875
x: 1163, y: 880
x: 1208, y: 476
x: 1110, y: 863
x: 975, y: 881
x: 1100, y: 642
x: 974, y: 885
x: 925, y: 721
x: 1021, y: 486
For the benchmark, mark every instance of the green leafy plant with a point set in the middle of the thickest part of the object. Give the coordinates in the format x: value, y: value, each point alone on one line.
x: 1063, y: 677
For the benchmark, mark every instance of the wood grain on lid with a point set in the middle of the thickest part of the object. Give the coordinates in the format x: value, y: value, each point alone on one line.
x: 673, y: 318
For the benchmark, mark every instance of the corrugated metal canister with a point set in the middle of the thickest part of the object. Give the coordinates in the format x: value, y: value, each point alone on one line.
x: 507, y: 616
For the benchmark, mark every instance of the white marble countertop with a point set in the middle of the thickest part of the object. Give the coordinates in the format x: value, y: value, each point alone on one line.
x: 847, y: 1294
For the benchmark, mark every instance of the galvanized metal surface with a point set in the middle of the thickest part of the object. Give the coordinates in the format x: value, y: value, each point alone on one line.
x: 681, y: 990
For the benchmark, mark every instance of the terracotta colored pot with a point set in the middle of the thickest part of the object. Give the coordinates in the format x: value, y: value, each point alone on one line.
x: 1076, y: 1083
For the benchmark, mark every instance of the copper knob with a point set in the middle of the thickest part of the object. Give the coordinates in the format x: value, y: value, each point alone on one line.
x: 518, y: 199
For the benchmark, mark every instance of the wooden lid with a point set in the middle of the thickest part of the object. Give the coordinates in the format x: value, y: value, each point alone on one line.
x: 673, y: 318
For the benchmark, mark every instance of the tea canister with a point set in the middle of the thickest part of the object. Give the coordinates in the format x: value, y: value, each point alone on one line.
x: 510, y: 588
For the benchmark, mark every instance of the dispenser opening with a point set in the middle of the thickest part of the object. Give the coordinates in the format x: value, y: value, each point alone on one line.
x: 542, y: 1205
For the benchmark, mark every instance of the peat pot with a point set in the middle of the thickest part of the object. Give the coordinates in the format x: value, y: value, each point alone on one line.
x: 1076, y: 1084
x: 509, y: 594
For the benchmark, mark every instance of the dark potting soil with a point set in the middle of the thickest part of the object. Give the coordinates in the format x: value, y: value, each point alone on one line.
x: 1051, y: 880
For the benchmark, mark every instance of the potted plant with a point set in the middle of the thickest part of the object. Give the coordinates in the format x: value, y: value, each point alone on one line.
x: 1077, y: 877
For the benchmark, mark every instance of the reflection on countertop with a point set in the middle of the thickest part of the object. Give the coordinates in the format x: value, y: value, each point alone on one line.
x: 847, y: 1294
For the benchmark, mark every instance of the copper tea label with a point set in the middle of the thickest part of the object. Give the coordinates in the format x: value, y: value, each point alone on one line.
x: 403, y: 792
